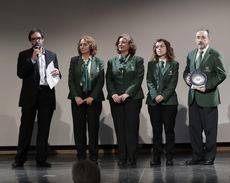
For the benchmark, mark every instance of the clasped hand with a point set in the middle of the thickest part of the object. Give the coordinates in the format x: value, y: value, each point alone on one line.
x: 120, y: 98
x: 88, y: 100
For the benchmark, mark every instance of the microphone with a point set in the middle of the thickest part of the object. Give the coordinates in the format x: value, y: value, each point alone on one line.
x: 37, y: 46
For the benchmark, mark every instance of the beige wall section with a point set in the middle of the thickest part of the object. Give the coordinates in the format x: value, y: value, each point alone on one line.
x: 65, y: 21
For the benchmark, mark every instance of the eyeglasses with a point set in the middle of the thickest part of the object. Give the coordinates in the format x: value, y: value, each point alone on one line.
x: 36, y: 38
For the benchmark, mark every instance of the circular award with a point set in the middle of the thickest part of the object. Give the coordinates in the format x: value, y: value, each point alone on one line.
x: 198, y: 78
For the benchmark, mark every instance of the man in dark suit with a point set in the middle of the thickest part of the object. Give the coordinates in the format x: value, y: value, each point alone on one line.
x: 36, y: 98
x: 203, y: 101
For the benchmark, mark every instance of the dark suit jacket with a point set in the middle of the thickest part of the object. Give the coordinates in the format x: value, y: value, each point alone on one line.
x: 96, y: 77
x: 212, y: 66
x: 168, y: 83
x: 29, y: 73
x: 129, y: 81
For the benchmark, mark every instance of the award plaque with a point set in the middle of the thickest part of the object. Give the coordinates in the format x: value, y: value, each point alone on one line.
x: 198, y: 79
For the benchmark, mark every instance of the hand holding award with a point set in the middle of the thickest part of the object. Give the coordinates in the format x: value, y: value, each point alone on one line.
x: 198, y: 80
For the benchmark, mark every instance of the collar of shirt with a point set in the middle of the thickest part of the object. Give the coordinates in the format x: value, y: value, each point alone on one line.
x: 86, y: 60
x: 162, y: 60
x: 204, y: 51
x: 42, y: 69
x: 126, y: 57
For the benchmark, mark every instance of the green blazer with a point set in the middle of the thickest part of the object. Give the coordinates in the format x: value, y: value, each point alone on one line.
x: 168, y: 82
x: 96, y: 77
x: 212, y: 66
x: 128, y: 80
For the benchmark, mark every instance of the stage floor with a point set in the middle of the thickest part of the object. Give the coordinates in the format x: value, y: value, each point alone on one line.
x: 110, y: 172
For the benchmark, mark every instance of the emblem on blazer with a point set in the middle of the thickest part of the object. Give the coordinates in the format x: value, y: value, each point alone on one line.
x: 170, y: 73
x: 98, y: 69
x: 132, y: 68
x: 207, y: 69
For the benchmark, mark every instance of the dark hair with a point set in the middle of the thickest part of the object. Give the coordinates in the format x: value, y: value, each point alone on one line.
x: 169, y: 50
x: 86, y: 171
x: 208, y: 32
x: 33, y: 31
x: 92, y: 44
x: 132, y: 48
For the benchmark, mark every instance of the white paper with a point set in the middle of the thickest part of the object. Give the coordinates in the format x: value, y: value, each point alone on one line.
x: 51, y: 80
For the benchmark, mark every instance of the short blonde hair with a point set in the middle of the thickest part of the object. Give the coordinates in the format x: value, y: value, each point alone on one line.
x: 92, y: 43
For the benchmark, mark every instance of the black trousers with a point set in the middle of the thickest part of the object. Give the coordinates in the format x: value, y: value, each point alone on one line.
x: 126, y: 122
x: 84, y: 115
x: 44, y: 109
x: 163, y: 115
x: 203, y: 119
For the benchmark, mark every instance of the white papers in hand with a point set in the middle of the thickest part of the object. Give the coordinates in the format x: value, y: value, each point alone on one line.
x: 51, y: 80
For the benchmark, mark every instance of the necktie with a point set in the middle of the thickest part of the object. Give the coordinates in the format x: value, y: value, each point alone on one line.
x: 160, y: 76
x: 162, y: 65
x: 199, y: 59
x: 85, y: 77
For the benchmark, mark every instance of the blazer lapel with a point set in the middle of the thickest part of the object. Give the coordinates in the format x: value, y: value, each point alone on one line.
x: 167, y: 65
x: 79, y: 64
x: 206, y: 56
x: 47, y: 58
x: 193, y: 60
x: 93, y: 67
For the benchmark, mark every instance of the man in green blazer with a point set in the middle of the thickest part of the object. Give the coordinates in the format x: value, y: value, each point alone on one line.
x: 203, y: 101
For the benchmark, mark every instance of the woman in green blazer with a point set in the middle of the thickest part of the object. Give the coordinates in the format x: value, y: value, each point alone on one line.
x: 162, y: 77
x: 124, y: 77
x: 86, y: 80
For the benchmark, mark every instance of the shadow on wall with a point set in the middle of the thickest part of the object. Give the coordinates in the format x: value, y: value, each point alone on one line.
x: 105, y: 131
x: 181, y: 127
x: 59, y: 130
x: 8, y: 126
x: 223, y: 128
x: 182, y: 130
x: 143, y: 129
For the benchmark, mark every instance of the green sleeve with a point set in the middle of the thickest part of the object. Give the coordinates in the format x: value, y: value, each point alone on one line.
x: 109, y: 81
x: 71, y: 80
x: 151, y: 82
